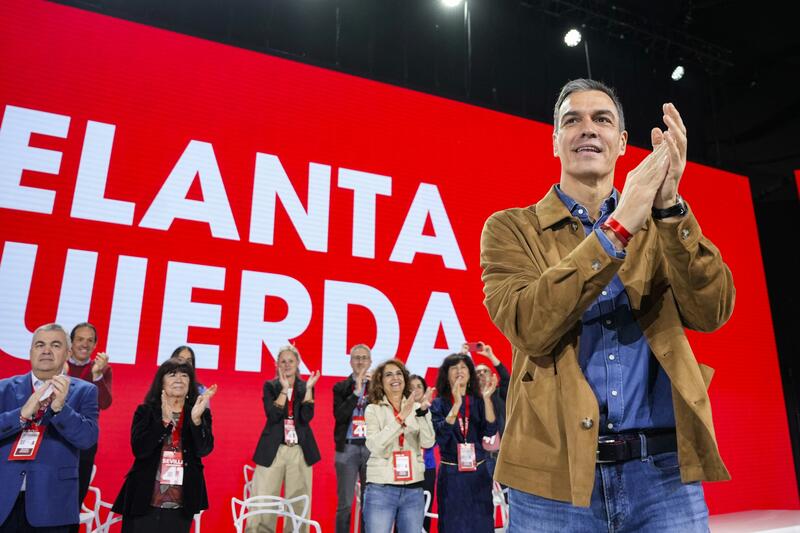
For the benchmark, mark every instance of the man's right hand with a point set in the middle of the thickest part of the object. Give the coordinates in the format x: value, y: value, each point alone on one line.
x: 639, y: 192
x: 32, y: 404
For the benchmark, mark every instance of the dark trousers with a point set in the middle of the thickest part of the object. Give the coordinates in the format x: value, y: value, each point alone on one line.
x: 17, y: 521
x: 158, y: 520
x: 85, y: 465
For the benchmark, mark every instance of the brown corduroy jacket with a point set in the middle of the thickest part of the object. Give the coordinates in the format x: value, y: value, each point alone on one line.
x: 540, y: 273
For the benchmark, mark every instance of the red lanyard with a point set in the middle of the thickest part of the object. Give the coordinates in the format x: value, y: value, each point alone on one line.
x: 176, y: 432
x: 402, y: 438
x: 42, y: 407
x: 463, y: 423
x: 289, y: 401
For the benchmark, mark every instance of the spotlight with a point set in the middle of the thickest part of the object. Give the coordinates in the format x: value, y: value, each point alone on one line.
x: 451, y: 3
x: 678, y: 73
x: 572, y: 38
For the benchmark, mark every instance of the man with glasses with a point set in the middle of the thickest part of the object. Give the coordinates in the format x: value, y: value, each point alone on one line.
x: 350, y: 432
x: 484, y: 373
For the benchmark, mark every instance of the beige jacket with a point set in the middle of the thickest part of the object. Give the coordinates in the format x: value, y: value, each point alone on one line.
x: 540, y: 273
x: 383, y: 432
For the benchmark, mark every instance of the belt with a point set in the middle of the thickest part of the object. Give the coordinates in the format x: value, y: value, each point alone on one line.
x: 456, y: 464
x: 360, y: 442
x: 626, y: 446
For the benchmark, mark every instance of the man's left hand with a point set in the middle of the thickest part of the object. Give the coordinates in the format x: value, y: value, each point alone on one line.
x: 675, y: 137
x: 60, y: 390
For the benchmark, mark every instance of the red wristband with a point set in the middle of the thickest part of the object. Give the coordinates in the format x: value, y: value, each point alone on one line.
x: 617, y: 229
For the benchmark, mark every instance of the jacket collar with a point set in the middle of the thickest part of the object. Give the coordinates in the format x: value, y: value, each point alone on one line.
x: 550, y: 210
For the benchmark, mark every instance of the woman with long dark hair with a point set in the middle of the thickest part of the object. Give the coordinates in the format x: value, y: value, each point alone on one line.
x: 462, y: 416
x: 397, y: 429
x: 186, y: 353
x: 170, y: 433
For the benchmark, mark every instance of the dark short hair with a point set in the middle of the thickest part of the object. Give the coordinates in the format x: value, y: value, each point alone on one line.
x: 82, y: 325
x: 412, y: 377
x: 179, y: 349
x: 583, y: 84
x: 153, y: 396
x: 376, y: 392
x: 443, y: 384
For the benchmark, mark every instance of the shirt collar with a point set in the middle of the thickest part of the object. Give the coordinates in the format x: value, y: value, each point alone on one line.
x: 608, y: 205
x: 75, y: 362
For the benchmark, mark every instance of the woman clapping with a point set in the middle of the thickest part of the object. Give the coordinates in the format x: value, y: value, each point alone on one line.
x: 171, y: 431
x: 397, y: 430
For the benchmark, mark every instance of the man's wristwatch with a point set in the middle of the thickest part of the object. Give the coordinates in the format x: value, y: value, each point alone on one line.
x: 677, y: 210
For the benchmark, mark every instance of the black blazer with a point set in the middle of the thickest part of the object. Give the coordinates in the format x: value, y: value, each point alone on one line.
x: 272, y: 435
x: 499, y: 397
x: 344, y: 401
x: 147, y: 438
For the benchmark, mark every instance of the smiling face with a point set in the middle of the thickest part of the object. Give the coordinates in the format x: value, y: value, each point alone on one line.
x: 360, y: 360
x: 417, y: 389
x: 176, y: 384
x: 393, y: 380
x: 459, y: 369
x: 287, y: 362
x: 587, y: 139
x: 48, y: 353
x: 484, y: 375
x: 83, y: 344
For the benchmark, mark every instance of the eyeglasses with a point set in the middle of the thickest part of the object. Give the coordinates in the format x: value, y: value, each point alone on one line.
x: 482, y: 371
x: 360, y: 358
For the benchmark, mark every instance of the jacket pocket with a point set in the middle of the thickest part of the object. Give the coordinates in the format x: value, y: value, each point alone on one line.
x: 68, y: 472
x: 532, y: 437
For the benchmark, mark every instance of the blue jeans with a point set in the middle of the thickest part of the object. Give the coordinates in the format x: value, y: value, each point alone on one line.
x: 634, y: 496
x: 385, y: 505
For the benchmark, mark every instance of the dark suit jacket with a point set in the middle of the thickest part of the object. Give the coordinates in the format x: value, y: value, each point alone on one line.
x: 51, y: 497
x: 344, y: 401
x: 499, y: 397
x: 147, y: 438
x: 272, y: 435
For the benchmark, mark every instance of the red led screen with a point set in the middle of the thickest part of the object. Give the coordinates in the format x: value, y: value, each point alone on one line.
x: 174, y: 190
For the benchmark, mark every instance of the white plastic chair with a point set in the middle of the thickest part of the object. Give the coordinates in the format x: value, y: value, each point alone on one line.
x: 248, y: 472
x: 428, y: 504
x: 261, y: 505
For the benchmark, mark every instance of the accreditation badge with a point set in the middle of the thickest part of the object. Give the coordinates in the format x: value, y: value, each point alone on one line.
x: 466, y: 457
x: 401, y: 464
x: 27, y: 445
x: 171, y: 468
x: 289, y: 432
x: 359, y: 427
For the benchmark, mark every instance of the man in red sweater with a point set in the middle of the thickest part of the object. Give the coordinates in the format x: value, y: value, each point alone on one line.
x: 96, y: 371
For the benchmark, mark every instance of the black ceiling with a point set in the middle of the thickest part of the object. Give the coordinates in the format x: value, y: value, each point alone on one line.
x: 738, y: 97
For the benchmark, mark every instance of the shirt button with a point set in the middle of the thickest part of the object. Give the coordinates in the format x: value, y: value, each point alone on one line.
x: 595, y: 265
x: 587, y: 423
x: 611, y: 426
x: 580, y: 211
x: 684, y: 234
x: 611, y: 357
x: 604, y: 293
x: 608, y: 322
x: 613, y: 393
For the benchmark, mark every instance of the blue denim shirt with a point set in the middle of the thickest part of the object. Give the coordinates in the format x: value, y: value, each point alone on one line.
x: 632, y: 389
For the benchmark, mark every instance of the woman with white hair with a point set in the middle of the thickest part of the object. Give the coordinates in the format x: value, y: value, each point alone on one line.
x: 286, y: 449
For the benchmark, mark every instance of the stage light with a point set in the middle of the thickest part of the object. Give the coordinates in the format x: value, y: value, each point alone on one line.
x: 451, y: 3
x: 572, y: 38
x: 678, y: 73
